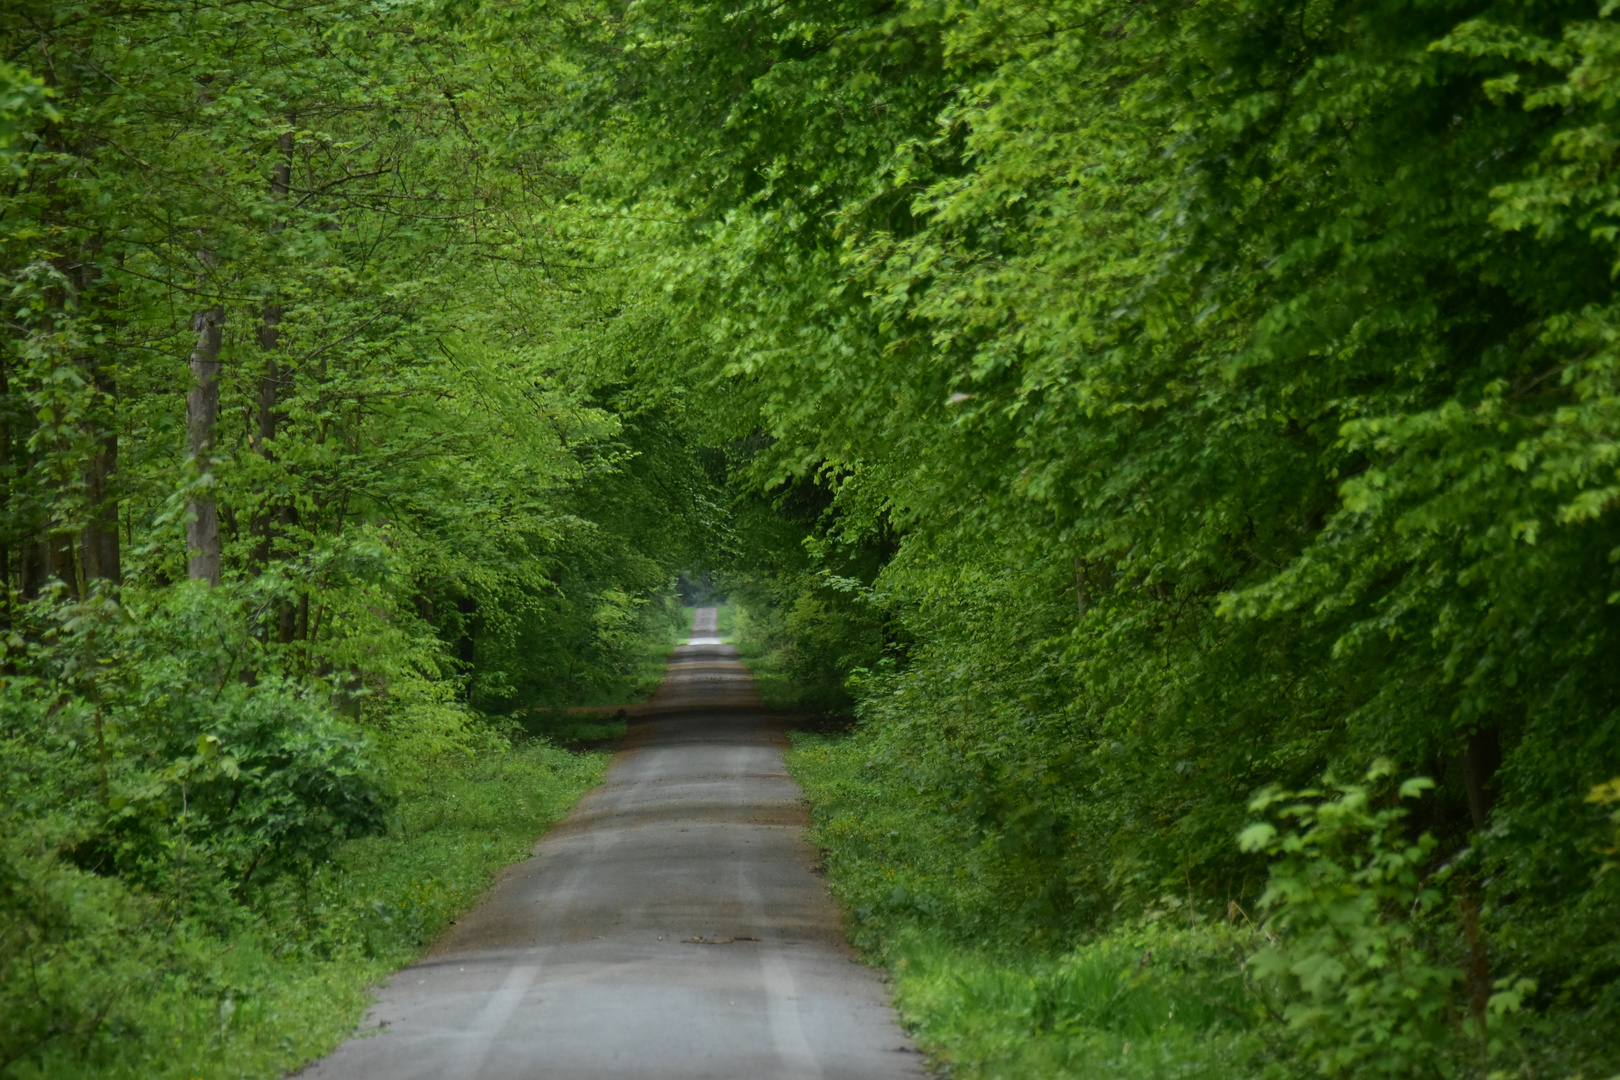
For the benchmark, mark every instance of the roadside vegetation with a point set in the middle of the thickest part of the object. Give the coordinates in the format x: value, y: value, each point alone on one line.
x: 1171, y: 989
x: 148, y: 985
x: 1181, y: 437
x: 309, y: 495
x: 771, y: 655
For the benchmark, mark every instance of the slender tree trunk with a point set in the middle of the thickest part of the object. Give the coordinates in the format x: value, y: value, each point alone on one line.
x: 101, y: 555
x: 1482, y: 756
x: 6, y: 506
x: 203, y: 549
x: 265, y: 519
x: 262, y: 523
x: 270, y: 319
x: 274, y: 519
x: 30, y: 571
x: 50, y: 556
x: 270, y: 381
x: 467, y: 647
x: 202, y: 413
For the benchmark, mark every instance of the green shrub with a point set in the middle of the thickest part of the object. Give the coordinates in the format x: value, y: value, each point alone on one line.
x: 75, y: 948
x: 1349, y: 896
x: 100, y: 980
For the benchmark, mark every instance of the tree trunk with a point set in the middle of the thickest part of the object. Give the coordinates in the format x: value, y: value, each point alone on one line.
x: 273, y: 520
x: 99, y: 555
x: 50, y: 556
x: 202, y: 412
x: 270, y: 381
x: 6, y: 537
x: 100, y: 545
x: 467, y: 649
x: 1482, y: 756
x: 264, y: 519
x: 270, y: 320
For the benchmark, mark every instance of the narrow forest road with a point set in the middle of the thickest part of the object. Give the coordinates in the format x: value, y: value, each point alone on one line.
x: 670, y: 928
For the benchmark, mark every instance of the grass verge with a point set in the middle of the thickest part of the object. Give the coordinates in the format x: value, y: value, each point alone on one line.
x: 983, y: 994
x: 264, y: 996
x: 769, y: 662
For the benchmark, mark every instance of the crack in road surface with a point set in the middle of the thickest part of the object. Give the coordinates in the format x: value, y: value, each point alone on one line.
x: 579, y: 966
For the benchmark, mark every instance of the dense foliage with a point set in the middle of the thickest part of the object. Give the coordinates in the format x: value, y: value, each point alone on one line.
x: 1150, y: 418
x: 307, y: 487
x: 1191, y: 399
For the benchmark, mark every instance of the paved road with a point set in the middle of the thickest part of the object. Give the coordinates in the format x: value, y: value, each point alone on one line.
x: 670, y: 928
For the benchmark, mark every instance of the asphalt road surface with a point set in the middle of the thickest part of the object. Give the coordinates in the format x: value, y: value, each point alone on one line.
x: 671, y: 928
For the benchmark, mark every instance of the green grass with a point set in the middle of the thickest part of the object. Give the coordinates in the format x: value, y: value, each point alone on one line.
x: 263, y: 997
x: 975, y: 982
x: 767, y: 664
x: 1103, y: 1009
x: 562, y: 728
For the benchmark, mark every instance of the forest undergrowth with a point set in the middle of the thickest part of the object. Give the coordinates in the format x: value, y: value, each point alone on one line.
x: 769, y: 658
x: 992, y: 989
x: 205, y: 994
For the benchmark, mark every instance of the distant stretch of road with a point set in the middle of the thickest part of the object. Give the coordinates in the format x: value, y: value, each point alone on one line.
x: 671, y: 928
